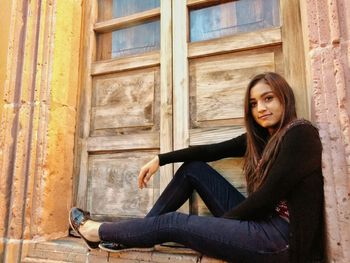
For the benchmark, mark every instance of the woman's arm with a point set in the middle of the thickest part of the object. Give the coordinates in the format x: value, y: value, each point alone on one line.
x: 300, y: 155
x: 207, y: 153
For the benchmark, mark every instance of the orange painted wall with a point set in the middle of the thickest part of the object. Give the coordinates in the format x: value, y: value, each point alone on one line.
x: 5, y: 11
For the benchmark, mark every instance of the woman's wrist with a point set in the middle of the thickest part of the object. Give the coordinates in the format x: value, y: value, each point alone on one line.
x: 156, y: 159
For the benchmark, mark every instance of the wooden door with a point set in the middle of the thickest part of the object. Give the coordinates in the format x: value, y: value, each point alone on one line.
x: 125, y: 105
x: 218, y: 47
x: 163, y: 75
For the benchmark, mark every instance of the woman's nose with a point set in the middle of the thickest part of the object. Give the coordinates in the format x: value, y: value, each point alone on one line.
x: 261, y: 107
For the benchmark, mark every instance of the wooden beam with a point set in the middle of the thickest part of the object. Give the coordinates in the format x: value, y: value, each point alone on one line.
x: 239, y: 42
x: 293, y: 54
x: 194, y: 4
x: 180, y: 80
x: 88, y: 47
x: 166, y: 90
x: 122, y: 142
x: 180, y: 76
x: 149, y: 59
x: 200, y: 136
x: 122, y: 22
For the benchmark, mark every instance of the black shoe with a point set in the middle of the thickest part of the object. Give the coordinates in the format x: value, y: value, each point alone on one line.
x: 115, y: 248
x: 77, y: 218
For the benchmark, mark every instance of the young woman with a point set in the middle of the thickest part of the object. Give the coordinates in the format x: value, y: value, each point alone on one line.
x: 279, y: 221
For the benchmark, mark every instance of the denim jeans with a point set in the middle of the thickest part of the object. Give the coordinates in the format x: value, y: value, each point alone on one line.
x: 228, y: 239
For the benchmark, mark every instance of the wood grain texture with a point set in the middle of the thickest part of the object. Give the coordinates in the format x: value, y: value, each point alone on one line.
x: 104, y: 41
x: 204, y: 3
x: 83, y: 126
x: 180, y: 75
x: 180, y: 79
x: 231, y: 169
x: 145, y: 60
x: 123, y: 142
x: 127, y: 21
x: 214, y: 135
x: 166, y: 89
x: 293, y: 54
x: 244, y: 41
x: 217, y: 93
x: 125, y: 100
x: 113, y: 187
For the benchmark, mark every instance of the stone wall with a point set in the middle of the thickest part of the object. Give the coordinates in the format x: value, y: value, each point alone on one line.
x: 327, y: 42
x: 39, y: 80
x: 39, y: 88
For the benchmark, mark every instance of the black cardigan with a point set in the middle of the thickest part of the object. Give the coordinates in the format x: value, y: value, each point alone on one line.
x: 295, y: 176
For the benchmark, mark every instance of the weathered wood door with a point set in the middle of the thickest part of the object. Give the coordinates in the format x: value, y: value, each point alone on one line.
x: 163, y: 75
x: 125, y: 113
x: 219, y: 47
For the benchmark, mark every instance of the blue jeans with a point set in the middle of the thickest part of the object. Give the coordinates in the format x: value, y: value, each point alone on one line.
x: 228, y: 239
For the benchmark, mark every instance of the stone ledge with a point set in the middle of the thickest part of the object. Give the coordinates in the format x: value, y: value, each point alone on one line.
x: 74, y: 250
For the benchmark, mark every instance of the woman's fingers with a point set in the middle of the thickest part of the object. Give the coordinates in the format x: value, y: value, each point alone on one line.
x: 141, y: 177
x: 147, y: 178
x: 147, y: 171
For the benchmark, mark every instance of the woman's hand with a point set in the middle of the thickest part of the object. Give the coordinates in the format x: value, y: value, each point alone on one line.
x: 147, y: 171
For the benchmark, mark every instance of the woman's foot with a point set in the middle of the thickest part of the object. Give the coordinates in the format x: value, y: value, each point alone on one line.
x: 86, y: 228
x: 90, y: 230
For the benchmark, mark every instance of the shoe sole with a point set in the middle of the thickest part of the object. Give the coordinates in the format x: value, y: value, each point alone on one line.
x: 135, y: 249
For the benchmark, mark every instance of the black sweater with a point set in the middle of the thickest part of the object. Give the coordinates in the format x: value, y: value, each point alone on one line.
x: 295, y: 176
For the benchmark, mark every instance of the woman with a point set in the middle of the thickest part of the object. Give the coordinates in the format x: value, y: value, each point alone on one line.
x: 279, y: 221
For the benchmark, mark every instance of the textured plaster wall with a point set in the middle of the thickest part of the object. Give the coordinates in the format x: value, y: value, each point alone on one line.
x: 4, y: 42
x: 56, y: 183
x: 38, y: 118
x: 327, y: 42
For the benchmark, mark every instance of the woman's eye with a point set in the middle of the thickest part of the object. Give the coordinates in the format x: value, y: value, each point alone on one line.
x: 268, y: 98
x: 253, y: 104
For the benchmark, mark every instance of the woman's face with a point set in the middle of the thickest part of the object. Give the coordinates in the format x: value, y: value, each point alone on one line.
x: 266, y: 108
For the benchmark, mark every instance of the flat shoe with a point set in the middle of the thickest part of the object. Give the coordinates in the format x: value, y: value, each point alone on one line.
x: 118, y: 248
x: 77, y: 218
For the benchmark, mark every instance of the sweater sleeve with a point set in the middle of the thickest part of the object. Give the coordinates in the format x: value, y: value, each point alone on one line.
x: 207, y: 153
x: 299, y: 156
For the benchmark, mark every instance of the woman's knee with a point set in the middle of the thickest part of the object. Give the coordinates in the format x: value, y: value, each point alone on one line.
x: 191, y: 169
x: 194, y: 166
x: 174, y: 218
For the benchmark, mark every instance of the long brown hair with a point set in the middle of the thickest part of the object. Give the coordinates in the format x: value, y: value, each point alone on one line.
x: 261, y: 148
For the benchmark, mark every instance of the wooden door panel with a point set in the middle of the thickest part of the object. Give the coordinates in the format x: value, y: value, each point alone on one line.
x: 217, y: 84
x: 125, y: 122
x: 112, y: 184
x: 126, y: 101
x: 231, y: 169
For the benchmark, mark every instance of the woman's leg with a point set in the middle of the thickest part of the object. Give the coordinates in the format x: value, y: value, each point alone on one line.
x: 231, y: 240
x: 217, y: 193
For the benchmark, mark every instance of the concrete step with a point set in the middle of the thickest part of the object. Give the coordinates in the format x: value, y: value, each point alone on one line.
x: 159, y: 255
x: 38, y: 260
x: 74, y: 250
x: 60, y: 250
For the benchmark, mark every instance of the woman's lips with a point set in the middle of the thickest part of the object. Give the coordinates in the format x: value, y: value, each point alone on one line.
x: 263, y: 117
